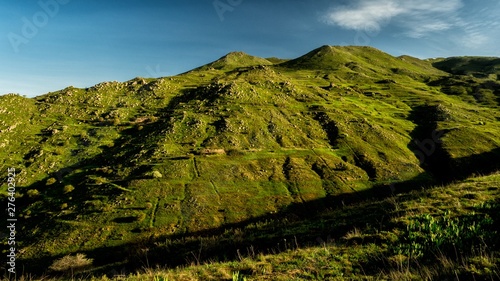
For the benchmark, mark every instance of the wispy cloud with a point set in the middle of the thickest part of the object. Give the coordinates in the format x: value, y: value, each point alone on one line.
x: 475, y: 35
x: 418, y: 29
x: 481, y: 31
x: 418, y: 17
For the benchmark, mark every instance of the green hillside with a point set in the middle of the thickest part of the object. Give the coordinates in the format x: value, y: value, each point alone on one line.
x: 481, y: 67
x: 196, y: 167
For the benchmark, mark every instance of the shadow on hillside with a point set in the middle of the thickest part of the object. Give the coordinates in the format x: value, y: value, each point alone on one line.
x: 298, y: 225
x: 427, y: 146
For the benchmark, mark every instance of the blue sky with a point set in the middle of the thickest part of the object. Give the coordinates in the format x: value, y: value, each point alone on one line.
x: 48, y: 45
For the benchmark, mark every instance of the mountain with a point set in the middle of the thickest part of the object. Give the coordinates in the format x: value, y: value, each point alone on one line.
x: 234, y: 60
x: 481, y: 67
x: 362, y: 60
x: 158, y: 170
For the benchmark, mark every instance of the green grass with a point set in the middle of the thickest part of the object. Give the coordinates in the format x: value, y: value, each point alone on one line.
x: 440, y: 232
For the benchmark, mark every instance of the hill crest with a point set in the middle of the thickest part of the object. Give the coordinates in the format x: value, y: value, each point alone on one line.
x: 234, y: 60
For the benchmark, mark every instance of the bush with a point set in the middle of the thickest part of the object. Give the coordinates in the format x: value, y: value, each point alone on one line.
x: 100, y: 180
x: 455, y: 90
x: 32, y: 193
x: 71, y: 264
x: 426, y: 234
x: 153, y: 174
x: 60, y: 150
x: 68, y: 188
x: 237, y: 276
x: 157, y: 175
x: 50, y: 181
x: 140, y: 217
x: 94, y: 205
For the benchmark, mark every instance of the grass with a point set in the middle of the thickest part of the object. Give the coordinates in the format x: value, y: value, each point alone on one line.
x: 203, y: 157
x: 454, y: 226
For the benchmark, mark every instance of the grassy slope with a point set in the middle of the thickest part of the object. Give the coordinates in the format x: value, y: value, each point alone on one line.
x: 370, y: 251
x: 362, y: 240
x: 156, y: 159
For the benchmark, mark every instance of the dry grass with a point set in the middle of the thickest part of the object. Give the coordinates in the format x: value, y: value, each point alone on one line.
x: 71, y: 264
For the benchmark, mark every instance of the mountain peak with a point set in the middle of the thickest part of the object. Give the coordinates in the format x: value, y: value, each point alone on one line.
x: 324, y: 48
x: 237, y: 54
x: 234, y: 60
x: 333, y: 57
x: 323, y: 57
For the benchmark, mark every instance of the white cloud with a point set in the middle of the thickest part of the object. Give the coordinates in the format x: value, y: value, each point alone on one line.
x: 457, y: 26
x: 366, y: 15
x: 418, y: 17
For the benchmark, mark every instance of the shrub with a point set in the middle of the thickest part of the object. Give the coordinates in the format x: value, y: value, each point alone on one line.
x: 237, y: 276
x: 157, y: 175
x: 60, y: 150
x: 93, y: 205
x: 68, y: 188
x: 50, y: 181
x: 100, y: 180
x: 32, y: 193
x: 426, y: 234
x: 153, y: 174
x: 140, y: 217
x: 455, y: 90
x: 71, y: 264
